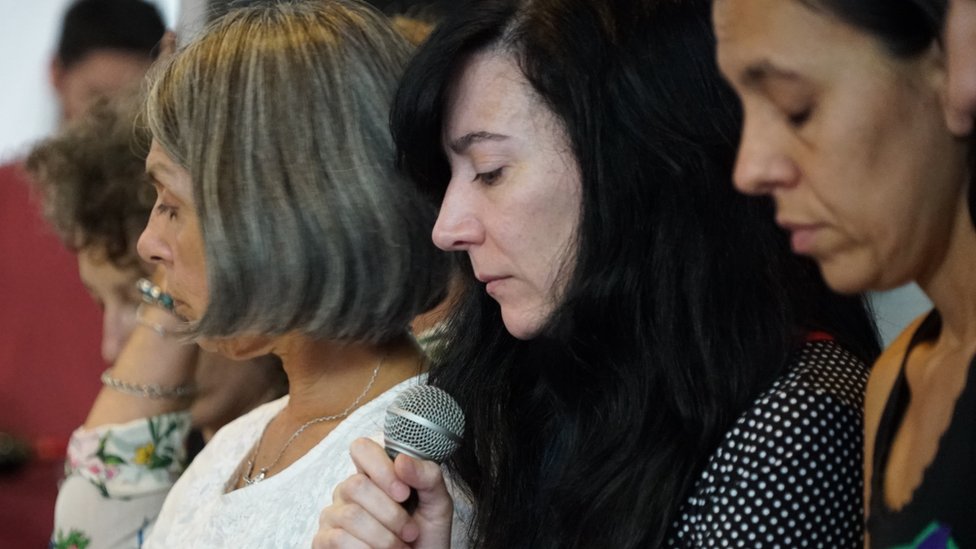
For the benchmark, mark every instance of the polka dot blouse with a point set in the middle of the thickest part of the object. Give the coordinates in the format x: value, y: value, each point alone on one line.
x: 788, y: 474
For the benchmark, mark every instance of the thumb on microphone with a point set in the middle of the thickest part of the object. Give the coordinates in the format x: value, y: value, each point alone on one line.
x: 435, y: 507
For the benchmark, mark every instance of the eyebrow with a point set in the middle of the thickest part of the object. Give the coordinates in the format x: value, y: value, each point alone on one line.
x: 756, y: 73
x: 157, y: 167
x: 152, y: 170
x: 461, y: 144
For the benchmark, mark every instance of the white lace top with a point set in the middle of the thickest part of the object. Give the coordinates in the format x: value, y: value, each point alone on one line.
x: 281, y: 511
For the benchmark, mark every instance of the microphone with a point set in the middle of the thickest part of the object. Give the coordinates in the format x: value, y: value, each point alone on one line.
x: 425, y: 423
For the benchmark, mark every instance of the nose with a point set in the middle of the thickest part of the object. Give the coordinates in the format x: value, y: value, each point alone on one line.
x: 151, y: 247
x: 763, y: 163
x: 458, y: 227
x: 117, y: 324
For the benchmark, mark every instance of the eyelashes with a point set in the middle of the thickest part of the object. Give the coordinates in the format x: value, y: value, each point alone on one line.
x: 489, y: 178
x: 165, y: 209
x: 799, y: 118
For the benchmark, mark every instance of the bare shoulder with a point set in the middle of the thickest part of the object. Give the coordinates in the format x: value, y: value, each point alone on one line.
x: 881, y: 381
x: 883, y: 376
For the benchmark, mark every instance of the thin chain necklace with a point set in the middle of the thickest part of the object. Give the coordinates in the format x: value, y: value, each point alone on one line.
x: 262, y: 472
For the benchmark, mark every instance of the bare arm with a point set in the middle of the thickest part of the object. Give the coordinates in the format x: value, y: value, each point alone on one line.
x: 148, y: 358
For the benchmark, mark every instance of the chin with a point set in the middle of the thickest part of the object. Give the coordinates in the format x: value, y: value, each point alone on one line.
x: 520, y: 327
x: 850, y: 278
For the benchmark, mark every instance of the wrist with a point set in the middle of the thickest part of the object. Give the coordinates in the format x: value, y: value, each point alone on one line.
x: 153, y: 391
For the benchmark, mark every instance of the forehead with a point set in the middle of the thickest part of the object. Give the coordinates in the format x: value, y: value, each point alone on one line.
x: 166, y: 173
x: 491, y: 94
x: 110, y: 69
x: 780, y: 32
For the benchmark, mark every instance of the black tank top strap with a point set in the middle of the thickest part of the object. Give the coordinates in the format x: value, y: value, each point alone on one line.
x: 893, y: 413
x: 936, y: 517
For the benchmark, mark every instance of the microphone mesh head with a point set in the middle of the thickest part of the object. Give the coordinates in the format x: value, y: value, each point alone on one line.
x: 423, y: 422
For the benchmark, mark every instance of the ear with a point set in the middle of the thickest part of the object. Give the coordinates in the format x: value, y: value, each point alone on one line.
x: 960, y: 45
x: 935, y: 64
x: 167, y: 45
x: 57, y: 75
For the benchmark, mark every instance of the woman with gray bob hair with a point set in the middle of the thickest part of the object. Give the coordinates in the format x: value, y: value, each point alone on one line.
x: 306, y: 222
x: 282, y: 227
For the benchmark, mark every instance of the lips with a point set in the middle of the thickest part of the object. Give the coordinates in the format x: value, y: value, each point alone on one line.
x: 491, y: 282
x: 802, y: 235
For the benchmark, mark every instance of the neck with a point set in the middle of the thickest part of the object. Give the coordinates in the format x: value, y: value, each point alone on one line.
x: 951, y: 284
x: 326, y: 376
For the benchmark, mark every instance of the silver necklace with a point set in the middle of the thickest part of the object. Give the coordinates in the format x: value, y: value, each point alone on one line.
x: 262, y: 472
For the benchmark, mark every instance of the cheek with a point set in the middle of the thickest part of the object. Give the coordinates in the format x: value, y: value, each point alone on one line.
x: 189, y: 256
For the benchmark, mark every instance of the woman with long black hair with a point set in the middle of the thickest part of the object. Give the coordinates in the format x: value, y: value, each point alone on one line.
x: 641, y: 359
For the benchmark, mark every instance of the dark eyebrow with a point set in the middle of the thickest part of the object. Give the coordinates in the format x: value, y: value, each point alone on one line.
x: 461, y: 144
x: 755, y: 74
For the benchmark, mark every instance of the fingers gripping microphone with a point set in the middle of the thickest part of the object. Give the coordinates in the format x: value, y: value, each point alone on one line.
x: 424, y: 422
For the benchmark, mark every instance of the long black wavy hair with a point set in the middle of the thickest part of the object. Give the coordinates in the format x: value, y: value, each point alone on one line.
x: 685, y: 301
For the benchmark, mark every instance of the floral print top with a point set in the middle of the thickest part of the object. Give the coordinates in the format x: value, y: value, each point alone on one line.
x: 116, y: 478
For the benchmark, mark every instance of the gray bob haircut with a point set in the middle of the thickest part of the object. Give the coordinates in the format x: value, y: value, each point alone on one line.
x: 280, y: 114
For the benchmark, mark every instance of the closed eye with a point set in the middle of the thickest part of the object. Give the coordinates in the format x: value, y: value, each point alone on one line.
x: 165, y: 209
x: 798, y: 119
x: 489, y: 178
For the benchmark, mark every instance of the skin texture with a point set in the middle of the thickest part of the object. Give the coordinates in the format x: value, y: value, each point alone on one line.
x: 172, y: 238
x: 831, y: 127
x: 513, y: 201
x: 101, y: 73
x: 960, y: 40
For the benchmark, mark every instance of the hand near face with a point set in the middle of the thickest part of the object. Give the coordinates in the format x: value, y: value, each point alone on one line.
x: 367, y: 508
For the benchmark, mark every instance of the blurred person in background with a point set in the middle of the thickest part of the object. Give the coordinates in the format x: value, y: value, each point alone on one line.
x: 49, y: 336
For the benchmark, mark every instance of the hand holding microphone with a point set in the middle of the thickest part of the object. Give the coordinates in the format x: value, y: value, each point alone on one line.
x: 425, y: 425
